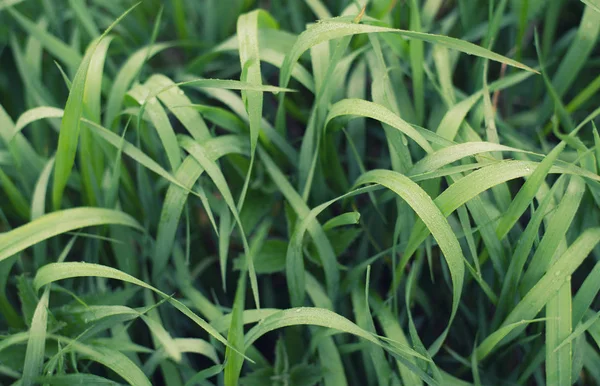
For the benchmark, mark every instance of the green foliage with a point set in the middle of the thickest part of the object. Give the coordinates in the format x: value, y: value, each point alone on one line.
x: 294, y: 193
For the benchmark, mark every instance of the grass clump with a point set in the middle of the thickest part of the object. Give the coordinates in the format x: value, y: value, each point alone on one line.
x: 299, y: 192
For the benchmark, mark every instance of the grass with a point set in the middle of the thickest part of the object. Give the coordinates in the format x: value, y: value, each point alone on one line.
x: 299, y: 192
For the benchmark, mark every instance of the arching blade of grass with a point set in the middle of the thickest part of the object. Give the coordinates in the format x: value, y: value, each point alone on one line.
x: 125, y: 76
x: 295, y: 272
x: 470, y: 186
x: 435, y: 221
x: 453, y: 153
x: 69, y: 128
x: 175, y: 96
x: 110, y: 358
x: 188, y: 174
x: 59, y: 222
x: 362, y: 108
x: 349, y: 218
x: 331, y: 29
x: 320, y: 317
x: 59, y: 271
x: 33, y: 115
x: 199, y: 153
x: 159, y: 118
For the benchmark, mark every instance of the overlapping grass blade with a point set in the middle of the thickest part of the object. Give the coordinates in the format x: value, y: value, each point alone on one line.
x: 69, y: 128
x: 53, y: 224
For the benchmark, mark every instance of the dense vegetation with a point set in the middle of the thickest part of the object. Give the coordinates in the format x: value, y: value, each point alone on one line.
x: 336, y: 192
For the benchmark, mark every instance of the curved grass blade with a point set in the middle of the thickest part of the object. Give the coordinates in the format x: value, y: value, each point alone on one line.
x: 199, y: 153
x: 34, y: 357
x: 362, y: 108
x: 188, y: 173
x: 331, y: 29
x: 295, y: 272
x: 33, y: 115
x: 450, y: 154
x: 126, y: 75
x: 114, y: 360
x: 350, y: 218
x: 69, y: 128
x: 174, y: 96
x: 319, y: 317
x: 59, y: 271
x: 435, y: 220
x: 53, y: 224
x: 490, y: 343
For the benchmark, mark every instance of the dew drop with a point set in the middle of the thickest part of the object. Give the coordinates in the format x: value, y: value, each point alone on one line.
x: 557, y: 273
x: 180, y: 92
x: 299, y: 309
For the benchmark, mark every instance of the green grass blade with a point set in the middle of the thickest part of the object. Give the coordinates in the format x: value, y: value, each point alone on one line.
x: 125, y: 76
x: 362, y: 108
x: 34, y: 357
x: 69, y: 128
x: 59, y: 271
x: 54, y: 45
x: 199, y: 153
x: 555, y: 231
x: 59, y: 222
x: 233, y: 360
x: 435, y: 221
x: 549, y: 285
